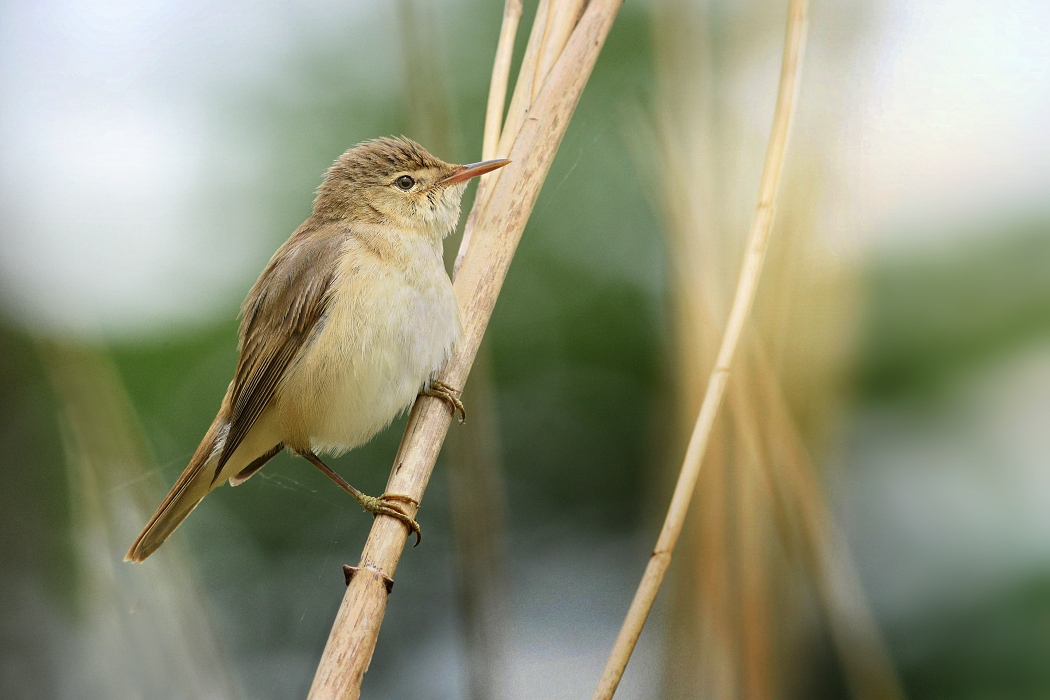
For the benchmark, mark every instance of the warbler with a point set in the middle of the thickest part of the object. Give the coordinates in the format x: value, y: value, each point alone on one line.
x: 352, y: 318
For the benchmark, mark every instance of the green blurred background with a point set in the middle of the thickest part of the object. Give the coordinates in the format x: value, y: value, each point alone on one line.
x: 155, y: 154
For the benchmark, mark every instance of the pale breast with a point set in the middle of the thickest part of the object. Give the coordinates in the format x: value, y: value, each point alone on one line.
x: 390, y: 325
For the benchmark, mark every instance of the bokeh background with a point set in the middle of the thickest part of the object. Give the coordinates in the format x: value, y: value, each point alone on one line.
x: 874, y: 517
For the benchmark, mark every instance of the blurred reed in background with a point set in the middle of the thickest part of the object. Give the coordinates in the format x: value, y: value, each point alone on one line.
x: 762, y: 565
x: 142, y: 632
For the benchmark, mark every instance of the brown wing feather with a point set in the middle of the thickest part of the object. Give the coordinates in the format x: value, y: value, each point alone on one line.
x: 280, y: 313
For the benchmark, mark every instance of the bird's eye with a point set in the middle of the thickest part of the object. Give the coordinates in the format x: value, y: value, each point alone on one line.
x: 405, y: 182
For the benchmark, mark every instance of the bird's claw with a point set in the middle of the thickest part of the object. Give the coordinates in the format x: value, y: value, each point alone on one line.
x: 448, y: 394
x: 387, y: 505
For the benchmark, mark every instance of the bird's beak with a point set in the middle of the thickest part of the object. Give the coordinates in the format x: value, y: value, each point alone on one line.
x: 466, y: 172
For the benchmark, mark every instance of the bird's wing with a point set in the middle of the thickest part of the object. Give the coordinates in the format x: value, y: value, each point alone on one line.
x: 278, y: 317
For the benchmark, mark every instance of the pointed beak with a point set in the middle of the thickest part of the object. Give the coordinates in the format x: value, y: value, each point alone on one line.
x: 466, y: 172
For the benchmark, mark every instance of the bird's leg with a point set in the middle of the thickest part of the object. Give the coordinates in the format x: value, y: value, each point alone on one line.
x: 383, y: 505
x: 441, y: 390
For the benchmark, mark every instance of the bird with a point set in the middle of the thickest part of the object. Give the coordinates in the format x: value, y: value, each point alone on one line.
x: 352, y: 318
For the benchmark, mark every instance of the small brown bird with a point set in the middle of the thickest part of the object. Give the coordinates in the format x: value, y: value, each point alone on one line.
x: 351, y: 319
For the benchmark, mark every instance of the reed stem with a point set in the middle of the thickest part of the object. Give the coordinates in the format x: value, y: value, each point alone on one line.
x: 747, y: 285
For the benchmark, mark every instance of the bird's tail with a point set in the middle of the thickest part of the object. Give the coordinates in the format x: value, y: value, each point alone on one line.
x: 193, y: 485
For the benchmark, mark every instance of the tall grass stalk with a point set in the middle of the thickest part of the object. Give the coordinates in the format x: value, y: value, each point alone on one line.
x: 761, y: 564
x: 747, y: 285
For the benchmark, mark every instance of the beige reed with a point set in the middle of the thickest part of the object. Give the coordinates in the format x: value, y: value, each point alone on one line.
x: 747, y: 285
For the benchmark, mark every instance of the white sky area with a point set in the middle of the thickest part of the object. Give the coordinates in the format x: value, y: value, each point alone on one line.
x: 108, y: 141
x: 954, y: 123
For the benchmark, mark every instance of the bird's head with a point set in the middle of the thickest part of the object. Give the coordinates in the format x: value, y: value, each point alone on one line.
x: 396, y: 182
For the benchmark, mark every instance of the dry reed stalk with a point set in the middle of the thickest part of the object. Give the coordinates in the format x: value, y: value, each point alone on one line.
x: 551, y: 29
x: 698, y: 633
x: 806, y: 522
x: 521, y: 99
x: 502, y: 217
x: 741, y: 307
x: 762, y: 639
x: 561, y: 18
x: 790, y: 487
x: 508, y: 32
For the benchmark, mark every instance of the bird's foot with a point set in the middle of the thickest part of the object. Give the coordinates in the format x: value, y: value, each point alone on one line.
x: 388, y: 504
x: 441, y: 390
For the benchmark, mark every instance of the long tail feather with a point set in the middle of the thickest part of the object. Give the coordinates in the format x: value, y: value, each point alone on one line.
x: 193, y: 485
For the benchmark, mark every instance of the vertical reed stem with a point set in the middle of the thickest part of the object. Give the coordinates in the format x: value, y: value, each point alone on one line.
x: 747, y: 284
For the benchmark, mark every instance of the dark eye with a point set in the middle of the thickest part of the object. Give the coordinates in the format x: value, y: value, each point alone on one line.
x: 405, y: 182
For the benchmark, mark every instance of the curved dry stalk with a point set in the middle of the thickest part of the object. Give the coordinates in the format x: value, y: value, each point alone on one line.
x: 352, y: 639
x: 747, y: 284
